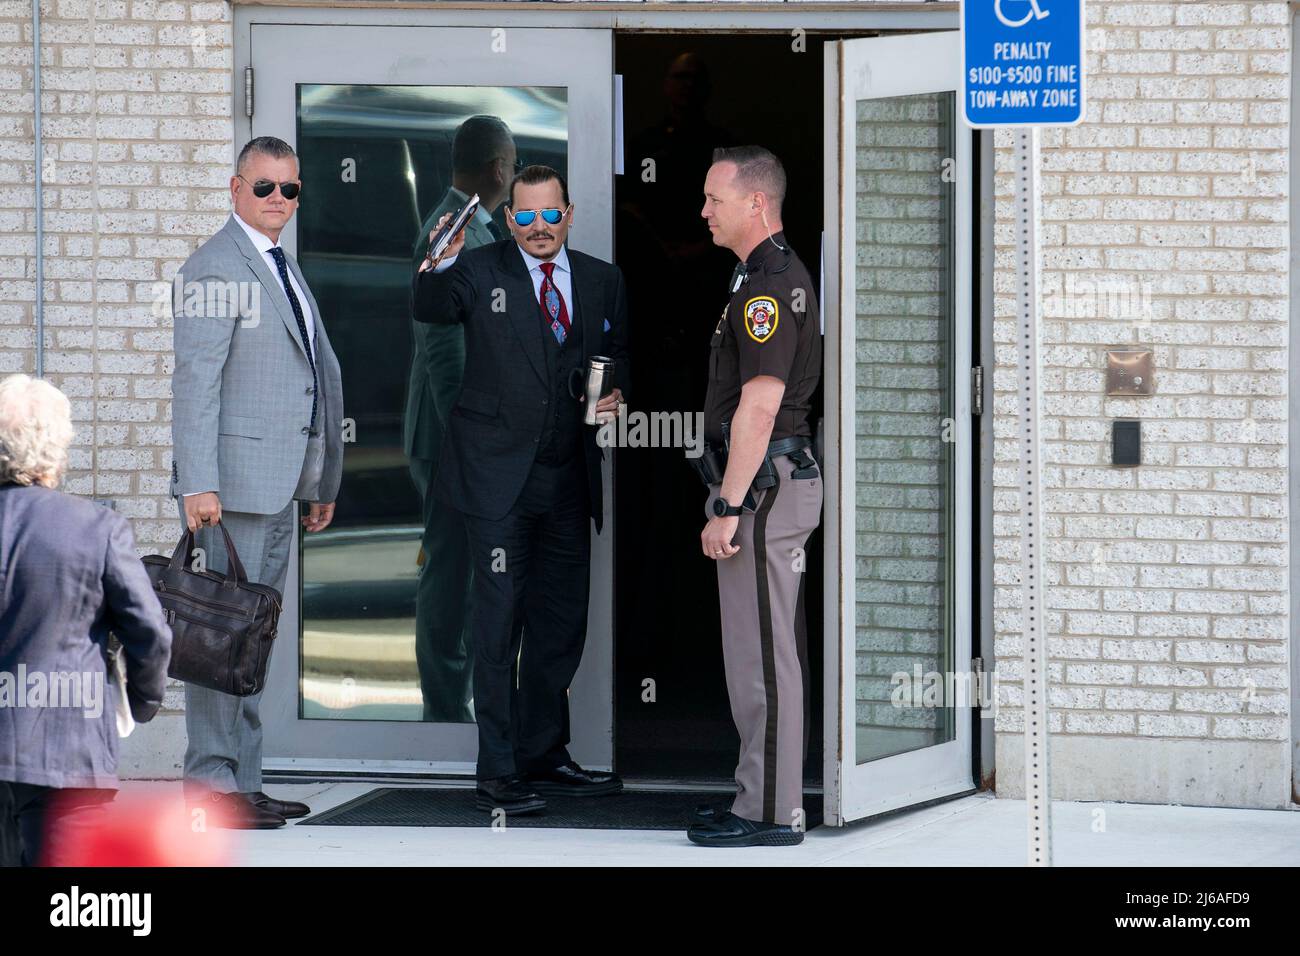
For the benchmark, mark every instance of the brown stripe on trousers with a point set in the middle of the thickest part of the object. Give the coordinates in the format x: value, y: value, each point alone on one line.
x: 764, y: 646
x: 769, y: 653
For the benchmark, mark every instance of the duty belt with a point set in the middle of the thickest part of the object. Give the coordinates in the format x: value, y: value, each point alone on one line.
x: 711, y: 465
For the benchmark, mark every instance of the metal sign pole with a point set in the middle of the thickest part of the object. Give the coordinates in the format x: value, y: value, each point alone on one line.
x: 1033, y: 614
x: 1022, y: 70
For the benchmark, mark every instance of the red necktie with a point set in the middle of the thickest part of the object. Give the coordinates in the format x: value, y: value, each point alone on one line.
x: 554, y: 311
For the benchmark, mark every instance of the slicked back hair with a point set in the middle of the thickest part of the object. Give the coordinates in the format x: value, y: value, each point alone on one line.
x: 757, y: 171
x: 266, y: 145
x: 533, y: 175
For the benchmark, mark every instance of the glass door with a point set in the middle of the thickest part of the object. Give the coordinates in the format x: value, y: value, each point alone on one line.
x: 898, y: 327
x: 389, y: 122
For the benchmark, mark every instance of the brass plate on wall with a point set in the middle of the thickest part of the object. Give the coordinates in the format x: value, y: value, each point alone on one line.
x: 1130, y: 372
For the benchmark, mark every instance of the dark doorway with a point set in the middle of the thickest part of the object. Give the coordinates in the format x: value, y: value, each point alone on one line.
x: 685, y: 94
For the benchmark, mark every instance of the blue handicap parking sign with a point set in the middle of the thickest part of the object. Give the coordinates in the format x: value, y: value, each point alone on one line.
x: 1022, y: 62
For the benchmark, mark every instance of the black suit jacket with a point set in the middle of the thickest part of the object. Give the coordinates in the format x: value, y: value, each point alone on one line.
x: 496, y: 425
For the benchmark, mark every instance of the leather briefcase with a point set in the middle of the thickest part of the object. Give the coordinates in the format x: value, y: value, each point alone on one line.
x: 222, y: 625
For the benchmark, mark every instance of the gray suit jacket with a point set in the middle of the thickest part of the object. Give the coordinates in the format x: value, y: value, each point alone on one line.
x: 438, y: 359
x: 68, y: 574
x: 241, y: 392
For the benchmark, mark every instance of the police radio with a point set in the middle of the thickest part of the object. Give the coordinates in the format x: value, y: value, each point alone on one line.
x: 739, y: 276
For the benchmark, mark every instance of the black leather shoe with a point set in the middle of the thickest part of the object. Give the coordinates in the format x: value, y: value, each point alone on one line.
x: 570, y: 780
x: 732, y: 830
x: 288, y: 809
x: 509, y: 793
x: 234, y: 811
x: 707, y: 813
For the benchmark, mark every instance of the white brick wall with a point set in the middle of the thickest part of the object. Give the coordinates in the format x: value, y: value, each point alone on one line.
x: 137, y: 146
x: 1165, y: 225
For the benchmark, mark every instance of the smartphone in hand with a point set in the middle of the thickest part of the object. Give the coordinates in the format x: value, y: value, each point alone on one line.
x: 444, y: 236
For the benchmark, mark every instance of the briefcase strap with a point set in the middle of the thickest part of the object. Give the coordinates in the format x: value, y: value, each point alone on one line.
x: 235, y: 573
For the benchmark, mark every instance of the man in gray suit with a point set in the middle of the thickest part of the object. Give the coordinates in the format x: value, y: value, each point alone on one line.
x: 257, y: 410
x: 483, y: 161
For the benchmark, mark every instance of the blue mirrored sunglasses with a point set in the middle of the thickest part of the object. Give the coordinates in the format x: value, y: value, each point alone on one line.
x: 525, y: 217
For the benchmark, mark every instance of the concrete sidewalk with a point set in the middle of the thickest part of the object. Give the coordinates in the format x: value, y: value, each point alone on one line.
x: 979, y: 830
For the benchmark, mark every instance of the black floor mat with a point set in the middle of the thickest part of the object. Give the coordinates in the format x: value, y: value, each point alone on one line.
x: 629, y: 810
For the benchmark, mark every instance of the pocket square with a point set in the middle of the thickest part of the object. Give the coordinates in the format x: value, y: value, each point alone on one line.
x: 607, y: 325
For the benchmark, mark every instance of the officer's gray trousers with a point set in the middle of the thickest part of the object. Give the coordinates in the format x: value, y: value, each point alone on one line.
x: 759, y: 590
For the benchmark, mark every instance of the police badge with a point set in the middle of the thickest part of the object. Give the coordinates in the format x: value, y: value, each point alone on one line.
x: 761, y: 317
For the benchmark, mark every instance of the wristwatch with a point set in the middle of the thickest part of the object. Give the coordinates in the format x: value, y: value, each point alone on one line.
x: 724, y: 510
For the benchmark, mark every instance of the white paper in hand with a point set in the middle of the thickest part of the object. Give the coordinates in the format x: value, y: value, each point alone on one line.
x: 117, y: 675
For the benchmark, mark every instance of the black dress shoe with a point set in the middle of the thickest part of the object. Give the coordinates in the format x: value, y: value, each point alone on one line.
x: 732, y: 830
x: 234, y: 811
x: 707, y: 813
x: 509, y: 793
x: 288, y: 809
x: 570, y: 780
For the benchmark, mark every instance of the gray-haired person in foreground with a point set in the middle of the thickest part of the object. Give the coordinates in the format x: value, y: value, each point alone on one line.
x: 69, y: 574
x: 257, y: 411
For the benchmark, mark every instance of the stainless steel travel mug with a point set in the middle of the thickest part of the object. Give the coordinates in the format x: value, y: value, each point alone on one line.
x: 600, y: 382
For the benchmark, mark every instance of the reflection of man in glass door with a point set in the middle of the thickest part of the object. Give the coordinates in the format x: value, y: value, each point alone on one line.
x: 483, y: 162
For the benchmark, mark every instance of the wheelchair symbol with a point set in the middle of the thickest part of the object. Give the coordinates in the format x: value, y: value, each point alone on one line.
x: 1035, y: 13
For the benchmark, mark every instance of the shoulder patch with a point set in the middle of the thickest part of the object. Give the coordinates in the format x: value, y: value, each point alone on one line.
x: 761, y: 315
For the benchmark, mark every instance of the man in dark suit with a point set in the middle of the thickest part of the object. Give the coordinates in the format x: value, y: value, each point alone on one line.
x: 70, y: 574
x: 524, y: 471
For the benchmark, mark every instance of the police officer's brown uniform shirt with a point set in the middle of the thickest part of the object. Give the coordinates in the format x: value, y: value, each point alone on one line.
x: 771, y: 326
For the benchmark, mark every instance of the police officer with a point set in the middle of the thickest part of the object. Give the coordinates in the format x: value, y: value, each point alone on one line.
x: 766, y: 499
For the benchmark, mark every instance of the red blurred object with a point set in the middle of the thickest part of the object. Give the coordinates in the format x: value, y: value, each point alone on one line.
x: 147, y: 830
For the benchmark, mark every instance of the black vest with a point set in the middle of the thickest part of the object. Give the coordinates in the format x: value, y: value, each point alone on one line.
x: 562, y: 433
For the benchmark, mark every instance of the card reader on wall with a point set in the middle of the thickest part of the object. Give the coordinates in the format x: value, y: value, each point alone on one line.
x: 1126, y: 442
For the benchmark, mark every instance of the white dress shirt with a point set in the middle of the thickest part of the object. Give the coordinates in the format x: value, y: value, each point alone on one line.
x: 264, y: 245
x: 562, y: 276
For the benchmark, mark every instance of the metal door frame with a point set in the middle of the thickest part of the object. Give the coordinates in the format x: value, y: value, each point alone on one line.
x: 341, y: 55
x: 869, y: 68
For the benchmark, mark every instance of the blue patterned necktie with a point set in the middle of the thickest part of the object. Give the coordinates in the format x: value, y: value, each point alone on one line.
x: 278, y: 255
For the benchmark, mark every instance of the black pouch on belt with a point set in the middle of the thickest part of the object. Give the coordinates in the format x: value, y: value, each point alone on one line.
x: 805, y: 466
x: 709, y: 466
x: 766, y: 475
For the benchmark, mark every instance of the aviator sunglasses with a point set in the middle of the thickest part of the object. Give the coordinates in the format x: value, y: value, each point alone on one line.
x: 525, y: 217
x: 264, y: 187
